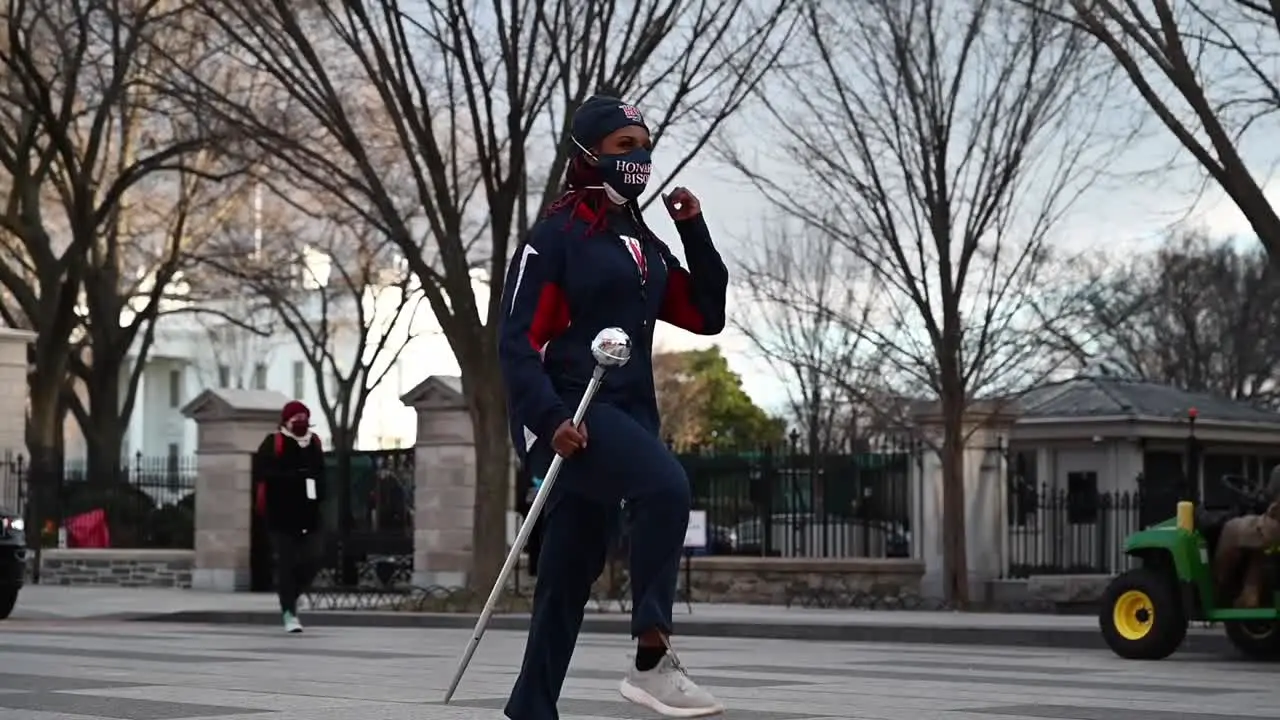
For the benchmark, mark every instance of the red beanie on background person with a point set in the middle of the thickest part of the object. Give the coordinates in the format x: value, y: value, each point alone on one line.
x: 296, y: 418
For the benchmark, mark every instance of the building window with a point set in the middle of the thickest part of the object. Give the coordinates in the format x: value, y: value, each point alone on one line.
x: 175, y: 388
x: 1221, y: 476
x: 260, y: 376
x: 173, y: 457
x: 299, y: 380
x: 1082, y: 498
x: 224, y: 376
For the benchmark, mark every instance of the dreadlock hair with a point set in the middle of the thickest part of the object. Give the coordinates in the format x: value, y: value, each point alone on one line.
x: 584, y: 193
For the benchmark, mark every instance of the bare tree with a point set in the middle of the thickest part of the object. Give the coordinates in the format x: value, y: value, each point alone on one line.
x: 83, y: 134
x: 805, y: 301
x: 142, y: 248
x: 942, y: 142
x: 1206, y: 69
x: 341, y: 290
x: 1196, y: 313
x: 457, y: 114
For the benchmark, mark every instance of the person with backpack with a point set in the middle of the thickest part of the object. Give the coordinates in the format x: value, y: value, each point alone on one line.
x: 288, y: 476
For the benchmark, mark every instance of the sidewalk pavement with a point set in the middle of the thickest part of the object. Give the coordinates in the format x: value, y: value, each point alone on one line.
x: 51, y: 602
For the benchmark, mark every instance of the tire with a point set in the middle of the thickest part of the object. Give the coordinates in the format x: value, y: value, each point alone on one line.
x: 1256, y: 640
x: 1142, y: 617
x: 8, y: 599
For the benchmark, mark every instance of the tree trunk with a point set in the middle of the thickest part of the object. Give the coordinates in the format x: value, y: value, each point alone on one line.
x: 44, y: 442
x: 104, y: 436
x: 488, y: 408
x: 343, y: 442
x: 955, y: 550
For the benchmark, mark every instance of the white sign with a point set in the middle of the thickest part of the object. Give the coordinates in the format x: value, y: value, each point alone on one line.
x: 696, y: 534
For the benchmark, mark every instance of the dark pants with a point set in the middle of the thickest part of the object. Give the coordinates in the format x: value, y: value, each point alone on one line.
x: 623, y: 460
x: 295, y: 556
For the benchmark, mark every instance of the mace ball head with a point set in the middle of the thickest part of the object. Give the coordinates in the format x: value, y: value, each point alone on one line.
x: 612, y: 347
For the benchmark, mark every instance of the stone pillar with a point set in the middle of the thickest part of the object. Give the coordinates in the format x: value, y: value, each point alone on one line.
x: 985, y: 501
x: 444, y: 483
x: 929, y: 528
x: 230, y: 425
x: 13, y: 390
x: 986, y: 505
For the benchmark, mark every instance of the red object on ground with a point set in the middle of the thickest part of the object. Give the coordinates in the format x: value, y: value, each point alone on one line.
x: 88, y: 530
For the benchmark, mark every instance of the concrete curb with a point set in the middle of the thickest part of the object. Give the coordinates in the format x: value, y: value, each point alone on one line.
x: 1211, y: 641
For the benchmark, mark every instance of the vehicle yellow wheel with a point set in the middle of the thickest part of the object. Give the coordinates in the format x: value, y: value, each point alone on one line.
x: 1134, y: 615
x: 1141, y: 615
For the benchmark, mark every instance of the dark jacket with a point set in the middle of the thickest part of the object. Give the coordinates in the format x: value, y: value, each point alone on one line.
x: 565, y: 284
x: 283, y: 476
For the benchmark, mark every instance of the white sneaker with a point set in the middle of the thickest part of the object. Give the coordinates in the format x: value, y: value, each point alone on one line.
x: 291, y: 624
x: 668, y: 690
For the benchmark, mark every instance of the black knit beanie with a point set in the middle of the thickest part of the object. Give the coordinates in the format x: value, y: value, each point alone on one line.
x: 601, y: 115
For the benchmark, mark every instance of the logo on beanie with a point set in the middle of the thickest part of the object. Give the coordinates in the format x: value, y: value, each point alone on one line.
x: 632, y: 113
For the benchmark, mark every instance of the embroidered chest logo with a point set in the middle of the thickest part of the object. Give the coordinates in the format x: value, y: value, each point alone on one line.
x: 637, y: 254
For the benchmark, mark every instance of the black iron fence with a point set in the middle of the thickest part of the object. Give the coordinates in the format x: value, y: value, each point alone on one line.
x: 13, y: 485
x: 777, y: 502
x: 369, y: 518
x: 1055, y: 531
x: 149, y: 503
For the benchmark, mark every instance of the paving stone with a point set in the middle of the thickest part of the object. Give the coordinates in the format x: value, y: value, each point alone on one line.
x: 111, y: 654
x: 1064, y: 712
x: 115, y: 708
x: 704, y: 679
x: 51, y: 683
x: 108, y: 670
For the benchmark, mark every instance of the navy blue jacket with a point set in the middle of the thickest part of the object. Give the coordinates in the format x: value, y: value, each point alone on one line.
x: 566, y: 283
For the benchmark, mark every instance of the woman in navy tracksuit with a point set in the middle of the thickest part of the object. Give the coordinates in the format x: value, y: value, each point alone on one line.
x: 591, y: 263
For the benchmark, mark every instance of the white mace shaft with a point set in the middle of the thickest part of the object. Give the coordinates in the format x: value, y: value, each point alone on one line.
x: 522, y: 537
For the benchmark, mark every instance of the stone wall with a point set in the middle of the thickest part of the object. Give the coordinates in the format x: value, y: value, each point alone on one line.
x: 1048, y: 593
x: 118, y: 568
x: 843, y: 582
x: 870, y: 582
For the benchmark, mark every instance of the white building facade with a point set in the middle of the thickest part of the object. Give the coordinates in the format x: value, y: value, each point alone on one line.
x: 201, y: 347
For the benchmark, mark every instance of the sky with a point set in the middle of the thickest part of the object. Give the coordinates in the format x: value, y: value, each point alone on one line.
x: 1146, y: 187
x: 1125, y: 213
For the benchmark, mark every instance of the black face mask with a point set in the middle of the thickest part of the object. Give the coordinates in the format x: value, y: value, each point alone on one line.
x: 626, y: 174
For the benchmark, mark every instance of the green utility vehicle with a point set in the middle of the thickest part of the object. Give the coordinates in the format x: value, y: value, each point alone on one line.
x: 1145, y: 611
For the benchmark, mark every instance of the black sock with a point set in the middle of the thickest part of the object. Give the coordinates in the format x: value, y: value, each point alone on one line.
x: 647, y: 658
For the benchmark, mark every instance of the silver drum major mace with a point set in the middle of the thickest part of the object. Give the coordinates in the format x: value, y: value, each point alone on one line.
x: 611, y: 348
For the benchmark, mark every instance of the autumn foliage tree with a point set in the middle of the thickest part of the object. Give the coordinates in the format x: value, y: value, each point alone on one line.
x: 703, y: 405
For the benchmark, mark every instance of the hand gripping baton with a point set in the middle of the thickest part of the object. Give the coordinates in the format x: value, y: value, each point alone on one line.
x: 611, y: 348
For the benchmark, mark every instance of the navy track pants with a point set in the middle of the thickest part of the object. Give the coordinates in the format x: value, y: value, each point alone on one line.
x: 623, y: 460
